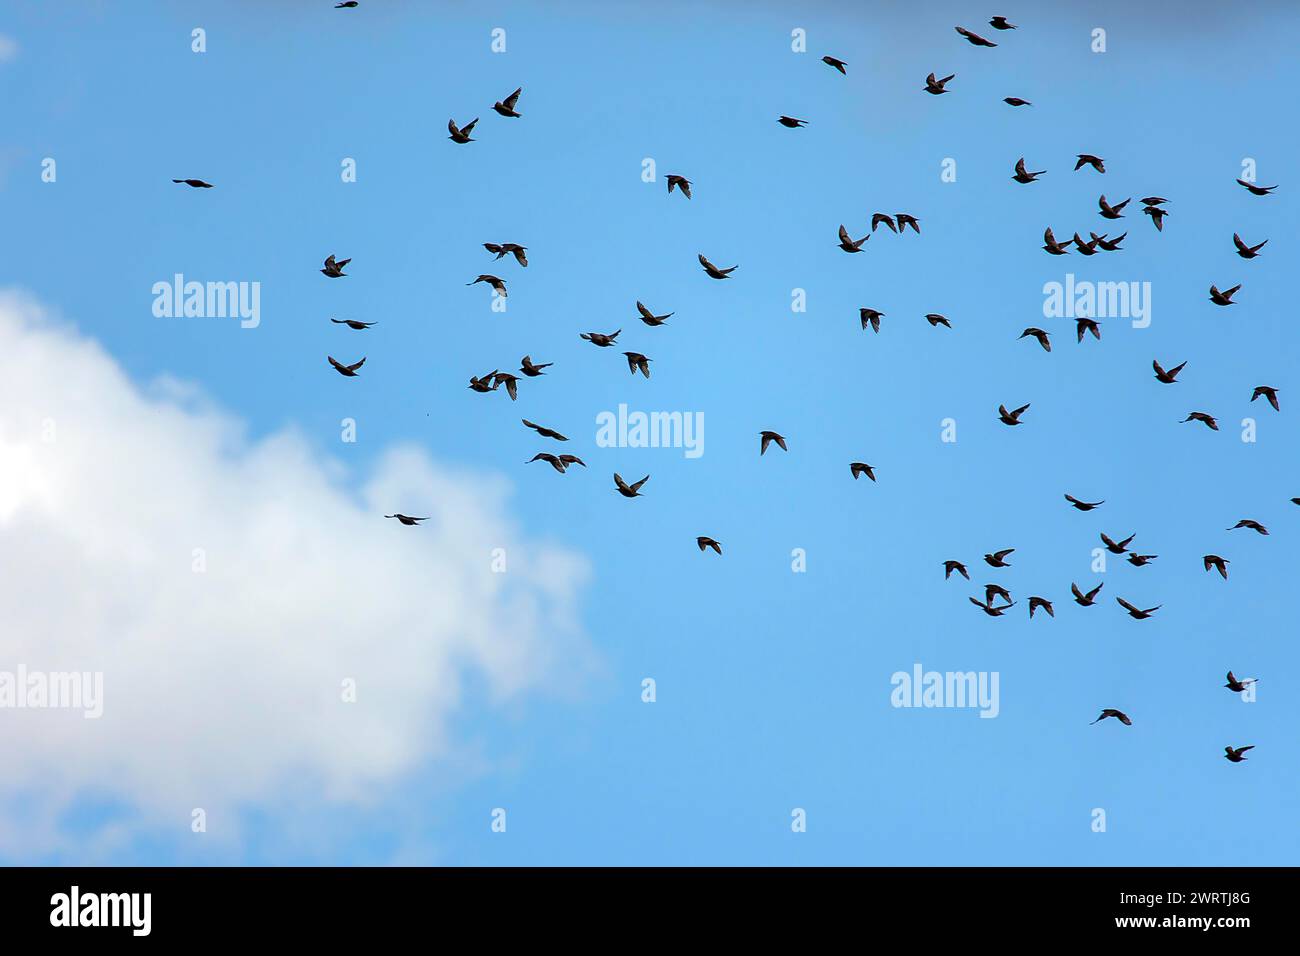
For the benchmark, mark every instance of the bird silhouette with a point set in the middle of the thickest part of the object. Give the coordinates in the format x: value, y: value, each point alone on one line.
x: 1225, y: 297
x: 950, y: 566
x: 790, y: 122
x: 1011, y: 418
x: 1250, y: 523
x: 1085, y: 600
x: 333, y: 269
x: 406, y: 519
x: 1087, y: 159
x: 636, y: 361
x: 354, y: 324
x: 851, y: 245
x: 1137, y: 613
x: 1237, y: 686
x: 347, y: 370
x: 705, y: 542
x: 1036, y: 602
x: 544, y: 431
x: 1218, y: 563
x: 1023, y: 175
x: 505, y: 107
x: 935, y: 87
x: 859, y: 468
x: 502, y: 249
x: 836, y: 63
x: 713, y: 271
x: 1246, y: 251
x: 1117, y: 714
x: 997, y: 559
x: 1256, y: 190
x: 649, y: 318
x: 679, y: 182
x: 1084, y: 505
x: 626, y: 490
x: 1269, y: 392
x: 767, y: 439
x: 974, y: 38
x: 597, y: 338
x: 531, y: 370
x: 1208, y: 420
x: 1236, y: 755
x: 460, y: 134
x: 194, y: 183
x: 496, y: 282
x: 1168, y: 377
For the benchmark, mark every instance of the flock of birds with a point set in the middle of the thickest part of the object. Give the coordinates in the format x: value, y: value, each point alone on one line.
x: 898, y: 223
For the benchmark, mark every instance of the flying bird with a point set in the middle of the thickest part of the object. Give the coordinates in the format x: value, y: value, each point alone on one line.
x: 1040, y: 335
x: 598, y: 338
x: 935, y: 87
x: 1023, y: 175
x: 505, y: 107
x: 1141, y: 560
x: 950, y: 566
x: 1016, y: 101
x: 1116, y: 547
x: 1257, y: 190
x: 1000, y: 23
x: 904, y: 220
x: 484, y: 383
x: 567, y: 460
x: 859, y: 468
x: 1218, y: 563
x: 1087, y: 159
x: 974, y: 38
x: 679, y: 182
x: 1109, y: 245
x: 1168, y: 377
x: 1137, y: 613
x: 460, y: 134
x: 790, y: 122
x: 509, y: 381
x: 713, y: 271
x: 636, y: 361
x: 353, y: 324
x: 406, y: 519
x: 1052, y: 246
x: 349, y: 370
x: 1225, y: 297
x: 1153, y: 201
x: 1085, y: 248
x: 1208, y: 420
x: 1085, y: 600
x: 768, y: 438
x: 1011, y: 418
x: 837, y: 64
x: 989, y: 609
x: 508, y: 248
x: 936, y: 320
x: 885, y: 219
x: 1250, y: 523
x: 1117, y: 714
x: 498, y: 284
x: 1245, y: 251
x: 346, y: 5
x: 531, y: 370
x: 1082, y: 325
x: 1037, y: 602
x: 649, y: 318
x: 704, y: 541
x: 1111, y: 212
x: 851, y: 245
x: 1157, y: 216
x: 626, y: 490
x: 1084, y: 505
x: 996, y: 590
x: 334, y: 270
x: 544, y: 431
x: 998, y: 559
x: 1237, y: 686
x: 552, y: 460
x: 870, y: 317
x: 194, y: 183
x: 1269, y: 392
x: 1236, y: 755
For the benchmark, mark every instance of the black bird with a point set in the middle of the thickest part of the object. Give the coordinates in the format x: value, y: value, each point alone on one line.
x: 346, y: 5
x: 544, y: 431
x: 508, y: 248
x: 1085, y: 248
x: 552, y: 460
x: 1269, y: 392
x: 679, y: 182
x: 1153, y: 201
x: 484, y: 383
x: 996, y: 590
x: 1117, y: 714
x: 1218, y: 563
x: 194, y: 183
x: 1016, y: 101
x: 1011, y: 418
x: 598, y: 338
x: 704, y: 542
x: 1140, y: 560
x: 334, y: 270
x: 1157, y: 216
x: 859, y: 468
x: 1245, y: 251
x: 1052, y: 246
x: 498, y: 284
x: 851, y: 245
x: 567, y: 460
x: 1040, y: 335
x: 1037, y: 602
x: 626, y: 490
x: 406, y: 519
x: 1085, y: 600
x: 886, y: 219
x: 1137, y: 613
x: 1082, y: 325
x: 1116, y: 547
x: 507, y: 106
x: 935, y: 87
x: 509, y: 381
x: 837, y: 64
x: 1207, y: 420
x: 713, y: 271
x: 531, y: 370
x: 1087, y: 159
x: 769, y: 437
x: 460, y: 134
x: 936, y: 320
x: 870, y: 317
x: 998, y: 559
x: 904, y: 220
x: 790, y: 122
x: 1000, y: 23
x: 1257, y: 190
x: 1250, y: 523
x: 989, y: 609
x: 1111, y: 212
x: 649, y: 318
x: 349, y: 370
x: 1224, y: 297
x: 1237, y: 686
x: 1023, y: 175
x: 1168, y: 377
x: 950, y: 566
x: 636, y: 361
x: 353, y: 324
x: 974, y: 38
x: 1084, y: 505
x: 1236, y: 755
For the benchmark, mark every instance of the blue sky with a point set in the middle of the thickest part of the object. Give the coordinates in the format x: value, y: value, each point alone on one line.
x: 773, y: 686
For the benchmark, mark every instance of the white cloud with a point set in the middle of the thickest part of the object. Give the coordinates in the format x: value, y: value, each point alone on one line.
x: 8, y: 48
x: 222, y: 689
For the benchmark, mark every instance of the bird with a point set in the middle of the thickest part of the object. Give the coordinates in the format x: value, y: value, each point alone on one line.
x: 679, y: 182
x: 567, y: 460
x: 1169, y: 377
x: 531, y: 370
x: 1220, y: 564
x: 636, y: 361
x: 460, y: 134
x: 883, y: 218
x: 1111, y: 212
x: 992, y: 590
x: 974, y: 38
x: 1023, y: 175
x: 333, y: 269
x: 406, y: 519
x: 1085, y: 248
x: 506, y: 107
x: 1236, y: 755
x: 626, y: 490
x: 713, y: 271
x: 790, y: 122
x: 1257, y: 190
x: 484, y: 383
x: 1237, y: 686
x: 498, y: 284
x: 1153, y: 201
x: 553, y: 460
x: 1040, y: 335
x: 1269, y: 392
x: 1109, y: 245
x: 870, y: 317
x: 1011, y: 418
x: 346, y: 5
x: 1016, y: 101
x: 349, y: 370
x: 859, y: 468
x: 508, y: 248
x: 1052, y: 246
x: 1250, y: 523
x: 1000, y: 23
x: 598, y: 338
x: 936, y: 320
x: 1245, y: 251
x: 1117, y: 714
x: 935, y: 87
x: 353, y: 324
x: 1083, y: 505
x: 544, y: 431
x: 1037, y: 602
x: 989, y: 609
x: 904, y: 220
x: 1157, y: 216
x: 998, y: 559
x: 1139, y: 560
x: 509, y: 381
x: 836, y: 63
x: 1082, y: 325
x: 950, y: 566
x: 1225, y: 297
x: 850, y: 245
x: 704, y: 541
x: 1085, y: 600
x: 649, y: 318
x: 1209, y: 420
x: 1116, y: 547
x: 1087, y: 159
x: 767, y: 439
x: 1137, y: 613
x: 194, y: 183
